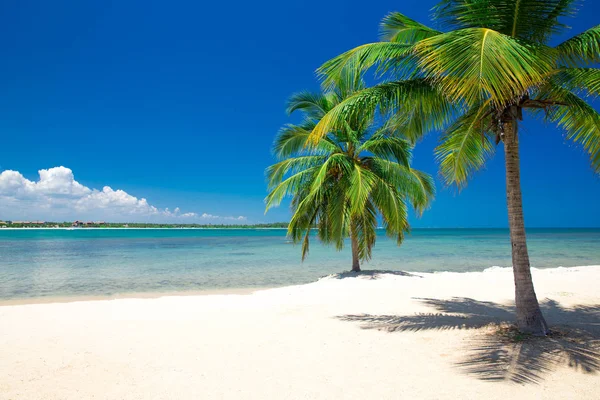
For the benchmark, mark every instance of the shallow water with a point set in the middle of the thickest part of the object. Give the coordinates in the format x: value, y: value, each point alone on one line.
x: 90, y: 262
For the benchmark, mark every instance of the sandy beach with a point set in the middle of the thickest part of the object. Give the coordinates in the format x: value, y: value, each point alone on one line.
x: 375, y: 336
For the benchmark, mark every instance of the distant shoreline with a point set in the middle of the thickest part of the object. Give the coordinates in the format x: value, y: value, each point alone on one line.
x: 130, y: 228
x: 250, y: 227
x: 133, y: 227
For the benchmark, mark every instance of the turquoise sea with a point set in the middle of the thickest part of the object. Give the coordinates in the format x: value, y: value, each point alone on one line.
x: 87, y: 262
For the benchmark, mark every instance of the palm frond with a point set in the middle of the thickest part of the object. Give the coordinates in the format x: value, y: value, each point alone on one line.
x: 410, y: 96
x: 580, y: 121
x: 392, y: 207
x: 292, y: 140
x: 307, y: 209
x: 276, y: 172
x: 364, y: 227
x: 387, y: 56
x: 388, y: 147
x: 397, y: 27
x: 423, y: 190
x: 416, y: 186
x: 347, y: 84
x: 288, y: 186
x: 299, y: 228
x: 465, y: 147
x: 338, y: 216
x: 415, y: 122
x: 579, y: 79
x: 315, y: 105
x: 361, y: 184
x: 533, y: 20
x: 477, y: 64
x: 339, y: 161
x: 581, y: 50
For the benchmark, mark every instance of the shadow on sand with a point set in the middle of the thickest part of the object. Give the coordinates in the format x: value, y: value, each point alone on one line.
x: 501, y: 353
x: 370, y: 274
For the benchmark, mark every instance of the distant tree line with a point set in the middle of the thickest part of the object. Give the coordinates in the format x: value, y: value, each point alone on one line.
x: 78, y: 224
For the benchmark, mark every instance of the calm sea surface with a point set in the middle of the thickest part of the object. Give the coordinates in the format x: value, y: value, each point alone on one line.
x: 43, y: 263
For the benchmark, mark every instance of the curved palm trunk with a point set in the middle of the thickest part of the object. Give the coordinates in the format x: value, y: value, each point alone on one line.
x: 355, y: 259
x: 529, y: 316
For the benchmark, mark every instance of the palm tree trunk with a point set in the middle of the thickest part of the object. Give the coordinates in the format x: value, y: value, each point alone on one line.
x: 355, y: 259
x: 529, y: 316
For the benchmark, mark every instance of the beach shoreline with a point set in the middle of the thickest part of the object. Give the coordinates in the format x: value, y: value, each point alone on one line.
x: 243, y: 291
x: 133, y: 295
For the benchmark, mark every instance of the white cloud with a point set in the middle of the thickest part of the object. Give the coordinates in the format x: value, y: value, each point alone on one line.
x: 57, y: 196
x: 210, y: 216
x: 240, y: 218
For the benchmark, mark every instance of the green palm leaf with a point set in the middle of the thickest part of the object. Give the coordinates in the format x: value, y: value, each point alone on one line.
x: 361, y: 184
x: 581, y: 50
x: 288, y: 186
x: 477, y: 64
x: 338, y: 161
x: 532, y: 20
x: 338, y: 217
x: 416, y: 186
x: 364, y: 225
x: 292, y: 165
x: 393, y: 209
x: 314, y: 104
x: 386, y: 56
x: 293, y: 139
x: 413, y: 96
x: 397, y: 27
x: 580, y: 121
x: 579, y: 79
x: 465, y: 147
x: 388, y: 147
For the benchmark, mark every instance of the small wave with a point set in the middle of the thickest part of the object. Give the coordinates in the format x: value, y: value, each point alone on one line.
x: 496, y: 268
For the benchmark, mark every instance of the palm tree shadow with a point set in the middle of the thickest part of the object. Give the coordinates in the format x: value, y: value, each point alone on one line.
x: 500, y: 352
x: 370, y: 274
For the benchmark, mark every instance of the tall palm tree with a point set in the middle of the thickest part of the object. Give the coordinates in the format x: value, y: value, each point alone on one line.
x: 344, y: 180
x: 474, y: 80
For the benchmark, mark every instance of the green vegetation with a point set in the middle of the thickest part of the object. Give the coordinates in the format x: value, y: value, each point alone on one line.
x: 140, y: 225
x: 341, y: 181
x: 474, y: 80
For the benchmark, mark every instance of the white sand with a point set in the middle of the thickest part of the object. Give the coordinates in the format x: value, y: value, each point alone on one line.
x: 309, y: 342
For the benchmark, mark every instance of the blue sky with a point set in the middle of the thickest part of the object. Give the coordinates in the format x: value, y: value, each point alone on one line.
x: 178, y: 103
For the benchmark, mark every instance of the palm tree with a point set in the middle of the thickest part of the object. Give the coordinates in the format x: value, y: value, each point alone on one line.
x: 474, y: 80
x: 344, y: 180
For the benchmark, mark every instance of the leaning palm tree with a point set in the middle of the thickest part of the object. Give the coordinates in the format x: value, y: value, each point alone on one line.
x: 474, y: 80
x: 343, y: 181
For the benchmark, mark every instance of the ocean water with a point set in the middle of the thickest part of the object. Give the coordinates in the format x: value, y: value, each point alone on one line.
x: 38, y: 263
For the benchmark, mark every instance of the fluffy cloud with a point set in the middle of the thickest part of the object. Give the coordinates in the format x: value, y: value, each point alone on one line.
x: 210, y: 216
x: 57, y: 195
